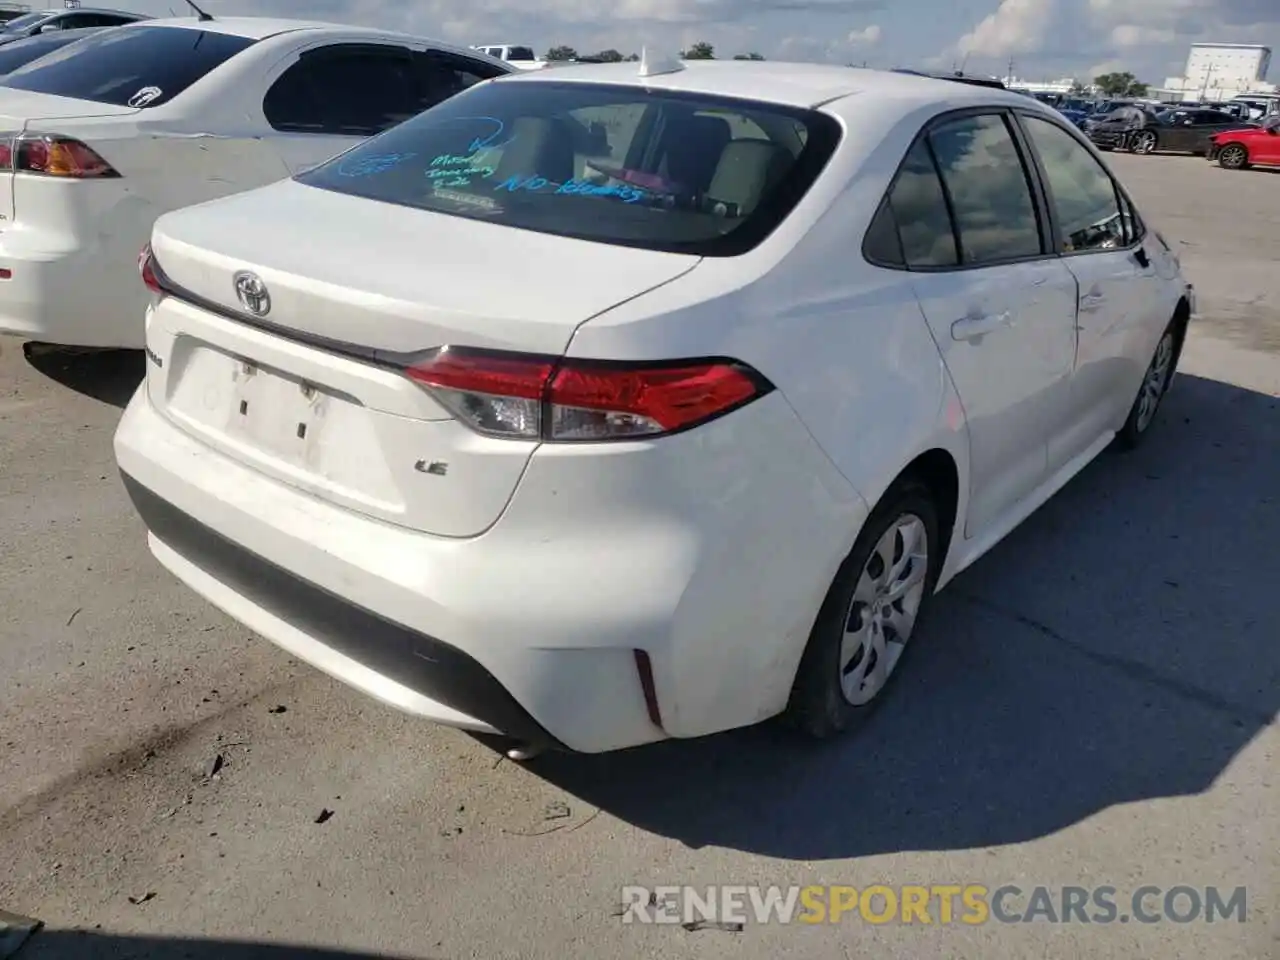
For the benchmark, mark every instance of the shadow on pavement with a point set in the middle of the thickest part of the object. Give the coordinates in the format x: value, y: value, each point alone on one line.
x: 111, y: 376
x: 1120, y: 646
x: 86, y: 945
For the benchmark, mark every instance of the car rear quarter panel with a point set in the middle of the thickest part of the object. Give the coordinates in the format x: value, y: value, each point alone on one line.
x: 845, y: 342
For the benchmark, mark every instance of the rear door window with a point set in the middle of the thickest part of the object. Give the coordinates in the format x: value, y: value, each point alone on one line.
x: 989, y: 190
x: 444, y: 75
x: 141, y: 66
x: 609, y: 163
x: 346, y: 90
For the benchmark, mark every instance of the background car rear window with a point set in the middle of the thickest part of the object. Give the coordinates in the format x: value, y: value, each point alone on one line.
x: 137, y: 66
x: 614, y: 164
x: 22, y: 52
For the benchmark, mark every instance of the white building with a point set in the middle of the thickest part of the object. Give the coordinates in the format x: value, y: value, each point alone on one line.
x: 1065, y: 85
x: 1220, y: 71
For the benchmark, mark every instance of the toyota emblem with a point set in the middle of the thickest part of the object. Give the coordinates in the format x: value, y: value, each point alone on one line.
x: 252, y: 293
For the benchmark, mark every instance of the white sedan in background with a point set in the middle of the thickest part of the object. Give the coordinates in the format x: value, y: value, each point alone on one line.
x: 108, y: 133
x: 607, y: 405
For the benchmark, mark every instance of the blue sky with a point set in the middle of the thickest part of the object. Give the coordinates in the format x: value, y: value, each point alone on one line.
x: 1046, y: 39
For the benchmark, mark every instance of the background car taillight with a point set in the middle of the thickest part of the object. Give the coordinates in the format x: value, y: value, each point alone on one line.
x: 52, y: 156
x: 150, y: 272
x: 543, y: 398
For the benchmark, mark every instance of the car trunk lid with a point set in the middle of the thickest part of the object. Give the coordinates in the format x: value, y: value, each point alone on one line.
x: 312, y: 391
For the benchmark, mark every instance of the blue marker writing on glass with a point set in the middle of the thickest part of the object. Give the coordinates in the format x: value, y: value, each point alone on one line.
x: 371, y: 166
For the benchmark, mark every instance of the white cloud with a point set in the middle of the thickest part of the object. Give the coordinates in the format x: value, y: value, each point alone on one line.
x: 1128, y: 35
x: 866, y: 37
x: 1016, y: 26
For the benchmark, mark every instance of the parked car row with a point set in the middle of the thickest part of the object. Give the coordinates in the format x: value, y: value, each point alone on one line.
x: 1145, y: 131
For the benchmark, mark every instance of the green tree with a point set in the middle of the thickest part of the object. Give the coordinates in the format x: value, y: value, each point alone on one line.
x: 608, y: 56
x: 747, y: 56
x: 1120, y: 85
x: 700, y: 51
x: 1078, y: 89
x: 562, y: 54
x: 633, y: 58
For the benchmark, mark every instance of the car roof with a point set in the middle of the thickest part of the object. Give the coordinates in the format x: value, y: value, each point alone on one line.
x: 260, y: 28
x: 774, y: 81
x: 53, y: 12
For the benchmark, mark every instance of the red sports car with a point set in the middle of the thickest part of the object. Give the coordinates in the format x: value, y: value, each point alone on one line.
x: 1241, y: 149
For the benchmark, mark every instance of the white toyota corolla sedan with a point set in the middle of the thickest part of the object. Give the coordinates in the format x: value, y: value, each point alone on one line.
x: 626, y: 402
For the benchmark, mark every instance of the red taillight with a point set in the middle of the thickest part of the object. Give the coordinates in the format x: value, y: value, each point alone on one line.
x: 54, y: 156
x: 149, y: 272
x: 532, y: 397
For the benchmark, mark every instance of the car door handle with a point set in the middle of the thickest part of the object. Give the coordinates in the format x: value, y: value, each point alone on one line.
x: 970, y: 328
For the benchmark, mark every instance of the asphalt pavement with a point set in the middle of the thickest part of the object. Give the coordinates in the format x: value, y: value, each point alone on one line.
x: 1094, y: 703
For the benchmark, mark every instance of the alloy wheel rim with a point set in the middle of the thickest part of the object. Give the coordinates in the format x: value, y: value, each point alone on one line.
x: 1154, y: 383
x: 882, y: 612
x: 1232, y: 157
x: 1146, y: 142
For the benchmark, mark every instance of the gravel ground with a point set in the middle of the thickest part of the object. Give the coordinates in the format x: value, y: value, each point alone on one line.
x: 1094, y: 703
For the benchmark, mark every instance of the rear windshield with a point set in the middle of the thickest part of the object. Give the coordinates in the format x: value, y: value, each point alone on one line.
x: 133, y: 66
x: 614, y: 164
x: 22, y: 52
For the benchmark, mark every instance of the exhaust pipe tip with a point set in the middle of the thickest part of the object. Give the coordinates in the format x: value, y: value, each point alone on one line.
x: 523, y: 752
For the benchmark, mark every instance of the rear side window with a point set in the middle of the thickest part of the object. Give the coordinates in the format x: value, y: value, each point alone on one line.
x: 354, y: 90
x: 139, y: 66
x: 987, y: 185
x: 362, y: 90
x: 616, y: 164
x: 920, y: 208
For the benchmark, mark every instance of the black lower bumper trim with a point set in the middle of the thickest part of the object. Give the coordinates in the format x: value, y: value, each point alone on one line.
x: 421, y: 663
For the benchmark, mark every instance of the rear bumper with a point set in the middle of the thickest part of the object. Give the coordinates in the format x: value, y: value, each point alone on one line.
x: 86, y: 297
x: 434, y: 670
x: 530, y: 629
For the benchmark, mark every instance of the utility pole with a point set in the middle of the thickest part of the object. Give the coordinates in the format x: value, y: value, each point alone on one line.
x: 1010, y: 73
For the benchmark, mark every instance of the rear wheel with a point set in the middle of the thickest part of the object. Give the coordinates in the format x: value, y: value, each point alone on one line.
x: 1233, y: 157
x: 1155, y: 384
x: 1145, y: 141
x: 870, y: 614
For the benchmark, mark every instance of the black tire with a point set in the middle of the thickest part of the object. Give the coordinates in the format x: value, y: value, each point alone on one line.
x: 1136, y: 425
x: 818, y: 706
x: 1233, y: 156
